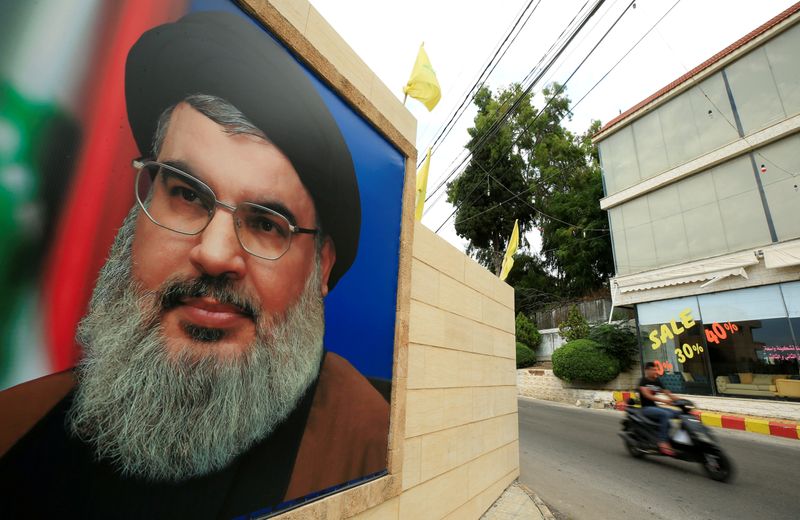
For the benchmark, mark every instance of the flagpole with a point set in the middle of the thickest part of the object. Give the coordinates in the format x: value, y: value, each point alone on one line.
x: 405, y: 96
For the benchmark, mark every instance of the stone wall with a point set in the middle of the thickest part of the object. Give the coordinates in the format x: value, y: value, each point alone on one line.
x: 461, y: 435
x: 540, y: 383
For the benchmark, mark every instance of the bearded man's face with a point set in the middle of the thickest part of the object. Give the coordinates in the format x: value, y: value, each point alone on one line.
x: 238, y: 168
x: 166, y: 413
x: 194, y: 348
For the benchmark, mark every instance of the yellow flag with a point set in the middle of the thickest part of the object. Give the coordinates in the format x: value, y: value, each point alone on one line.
x: 508, y: 259
x: 422, y: 185
x: 422, y: 84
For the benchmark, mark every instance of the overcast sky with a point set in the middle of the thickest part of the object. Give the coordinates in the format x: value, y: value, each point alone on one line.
x: 461, y: 35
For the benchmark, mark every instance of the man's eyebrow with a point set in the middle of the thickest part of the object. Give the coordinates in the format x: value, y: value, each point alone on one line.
x: 274, y: 205
x: 277, y: 207
x: 184, y: 167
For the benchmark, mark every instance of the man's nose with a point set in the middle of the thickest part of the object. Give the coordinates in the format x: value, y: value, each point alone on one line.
x: 218, y: 252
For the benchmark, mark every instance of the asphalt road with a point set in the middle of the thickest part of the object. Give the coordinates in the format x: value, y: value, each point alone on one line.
x: 574, y: 460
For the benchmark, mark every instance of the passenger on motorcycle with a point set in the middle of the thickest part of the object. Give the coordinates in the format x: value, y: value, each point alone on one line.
x: 651, y: 390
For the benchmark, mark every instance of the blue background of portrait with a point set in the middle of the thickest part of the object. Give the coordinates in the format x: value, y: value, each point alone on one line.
x: 360, y: 311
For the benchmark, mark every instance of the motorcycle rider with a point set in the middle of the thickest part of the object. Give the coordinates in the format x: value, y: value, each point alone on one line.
x: 651, y: 391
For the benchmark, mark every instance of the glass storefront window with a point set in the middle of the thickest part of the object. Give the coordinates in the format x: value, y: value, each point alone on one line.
x: 791, y: 296
x: 672, y: 337
x: 748, y: 336
x: 744, y: 341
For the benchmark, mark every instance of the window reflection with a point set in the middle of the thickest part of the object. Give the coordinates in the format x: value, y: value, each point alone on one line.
x: 745, y: 345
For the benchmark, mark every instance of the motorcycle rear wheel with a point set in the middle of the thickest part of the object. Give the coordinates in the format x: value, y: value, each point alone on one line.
x: 635, y: 451
x: 717, y: 466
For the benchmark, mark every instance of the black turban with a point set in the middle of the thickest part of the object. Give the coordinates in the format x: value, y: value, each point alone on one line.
x: 226, y: 55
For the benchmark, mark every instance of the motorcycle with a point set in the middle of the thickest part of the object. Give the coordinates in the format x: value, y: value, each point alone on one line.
x: 691, y: 440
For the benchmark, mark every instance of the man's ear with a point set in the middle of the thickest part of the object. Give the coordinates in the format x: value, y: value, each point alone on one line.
x: 327, y: 259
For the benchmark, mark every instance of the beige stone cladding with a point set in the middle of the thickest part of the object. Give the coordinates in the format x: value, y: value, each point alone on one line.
x: 461, y: 439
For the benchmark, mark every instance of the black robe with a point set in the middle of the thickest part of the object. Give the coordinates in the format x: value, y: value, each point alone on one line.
x: 48, y: 473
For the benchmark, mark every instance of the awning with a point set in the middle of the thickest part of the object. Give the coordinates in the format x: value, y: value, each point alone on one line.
x: 784, y: 255
x: 709, y: 271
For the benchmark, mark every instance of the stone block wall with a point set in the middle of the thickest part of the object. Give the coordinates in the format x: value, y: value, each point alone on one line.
x: 461, y: 438
x: 540, y: 383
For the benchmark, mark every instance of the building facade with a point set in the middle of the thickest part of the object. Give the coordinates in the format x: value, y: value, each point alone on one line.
x: 702, y: 189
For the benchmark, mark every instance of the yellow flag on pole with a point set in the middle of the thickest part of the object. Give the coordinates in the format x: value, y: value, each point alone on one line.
x: 422, y: 185
x: 422, y: 84
x: 508, y: 259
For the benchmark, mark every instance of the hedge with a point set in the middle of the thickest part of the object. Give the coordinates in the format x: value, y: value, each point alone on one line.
x: 525, y: 356
x: 583, y: 360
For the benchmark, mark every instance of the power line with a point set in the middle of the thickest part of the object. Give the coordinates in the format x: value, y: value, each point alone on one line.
x: 720, y: 112
x: 444, y: 130
x: 497, y: 123
x: 500, y: 108
x: 561, y: 89
x: 609, y: 71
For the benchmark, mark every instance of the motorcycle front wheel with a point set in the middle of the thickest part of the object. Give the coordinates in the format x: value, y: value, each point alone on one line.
x: 717, y: 466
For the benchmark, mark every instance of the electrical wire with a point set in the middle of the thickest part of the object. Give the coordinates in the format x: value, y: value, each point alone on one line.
x: 497, y: 123
x: 724, y: 117
x: 561, y: 89
x: 445, y: 130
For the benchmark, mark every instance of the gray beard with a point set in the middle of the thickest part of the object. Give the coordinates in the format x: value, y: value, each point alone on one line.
x: 168, y: 417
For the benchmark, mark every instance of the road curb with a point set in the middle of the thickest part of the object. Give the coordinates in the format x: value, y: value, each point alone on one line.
x: 546, y: 514
x: 779, y: 428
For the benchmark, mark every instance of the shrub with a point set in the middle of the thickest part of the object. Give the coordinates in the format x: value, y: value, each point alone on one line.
x: 527, y: 332
x: 618, y: 341
x: 525, y: 356
x: 575, y: 326
x: 582, y: 360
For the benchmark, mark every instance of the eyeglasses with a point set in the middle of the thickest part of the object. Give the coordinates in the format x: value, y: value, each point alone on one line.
x: 177, y: 201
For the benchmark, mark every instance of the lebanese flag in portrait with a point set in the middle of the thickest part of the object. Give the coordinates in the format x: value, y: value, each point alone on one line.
x: 101, y: 191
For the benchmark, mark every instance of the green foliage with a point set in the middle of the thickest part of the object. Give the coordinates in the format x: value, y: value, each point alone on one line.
x: 575, y: 238
x: 525, y: 356
x: 583, y: 360
x: 618, y: 341
x: 575, y: 326
x: 526, y: 332
x: 526, y: 166
x: 534, y: 287
x: 496, y: 172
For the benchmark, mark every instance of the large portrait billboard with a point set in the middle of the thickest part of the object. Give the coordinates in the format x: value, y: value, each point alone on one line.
x: 199, y: 263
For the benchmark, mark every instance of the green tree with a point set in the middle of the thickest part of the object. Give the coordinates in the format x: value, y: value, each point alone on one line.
x: 534, y: 286
x: 525, y: 355
x: 575, y: 326
x: 575, y: 238
x: 528, y: 340
x: 618, y: 341
x: 493, y: 191
x: 526, y: 332
x: 526, y: 166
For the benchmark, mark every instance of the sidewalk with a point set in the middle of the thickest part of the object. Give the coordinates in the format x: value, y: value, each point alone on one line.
x: 784, y: 425
x: 518, y: 502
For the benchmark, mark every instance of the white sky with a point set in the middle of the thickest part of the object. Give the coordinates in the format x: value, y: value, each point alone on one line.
x: 461, y: 35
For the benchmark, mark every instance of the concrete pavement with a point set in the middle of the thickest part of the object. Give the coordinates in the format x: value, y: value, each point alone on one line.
x: 518, y: 502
